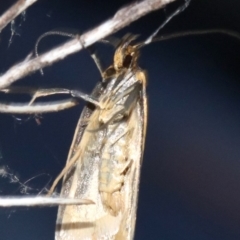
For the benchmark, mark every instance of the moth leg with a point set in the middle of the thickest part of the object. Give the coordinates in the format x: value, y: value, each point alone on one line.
x: 96, y: 59
x: 64, y: 171
x: 114, y: 41
x: 86, y: 97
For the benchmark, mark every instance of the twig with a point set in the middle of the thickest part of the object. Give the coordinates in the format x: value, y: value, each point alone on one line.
x: 14, y: 11
x: 30, y: 108
x: 121, y: 19
x: 40, y: 201
x: 38, y: 107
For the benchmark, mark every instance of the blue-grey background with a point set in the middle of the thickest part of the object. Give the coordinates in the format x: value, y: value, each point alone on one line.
x: 190, y: 183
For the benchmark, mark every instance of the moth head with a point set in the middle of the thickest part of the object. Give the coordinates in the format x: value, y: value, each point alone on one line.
x: 126, y: 55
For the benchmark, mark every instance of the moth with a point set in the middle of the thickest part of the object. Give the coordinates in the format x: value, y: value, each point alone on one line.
x: 105, y: 158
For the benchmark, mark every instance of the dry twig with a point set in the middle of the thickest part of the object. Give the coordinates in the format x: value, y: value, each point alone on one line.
x: 121, y: 19
x: 38, y: 107
x: 41, y: 201
x: 14, y: 11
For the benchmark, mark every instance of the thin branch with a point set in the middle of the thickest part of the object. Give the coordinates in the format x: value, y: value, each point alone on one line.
x: 36, y: 92
x: 40, y: 201
x: 121, y: 19
x: 38, y: 107
x: 30, y: 108
x: 14, y: 11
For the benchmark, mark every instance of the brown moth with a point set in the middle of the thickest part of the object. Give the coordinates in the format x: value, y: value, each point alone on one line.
x: 105, y: 158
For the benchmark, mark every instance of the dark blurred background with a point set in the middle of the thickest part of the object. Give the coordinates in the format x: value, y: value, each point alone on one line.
x: 191, y: 172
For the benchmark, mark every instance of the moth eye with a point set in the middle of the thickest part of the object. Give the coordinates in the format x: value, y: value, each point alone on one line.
x: 127, y: 61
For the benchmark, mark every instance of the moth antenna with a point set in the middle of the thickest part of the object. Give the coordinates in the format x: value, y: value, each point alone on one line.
x: 153, y: 38
x: 197, y: 32
x: 175, y: 13
x: 65, y: 34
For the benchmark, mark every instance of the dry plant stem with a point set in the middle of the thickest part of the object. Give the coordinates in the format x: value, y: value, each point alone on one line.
x: 121, y: 19
x: 37, y: 108
x: 41, y: 201
x: 36, y: 91
x: 30, y: 108
x: 14, y: 11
